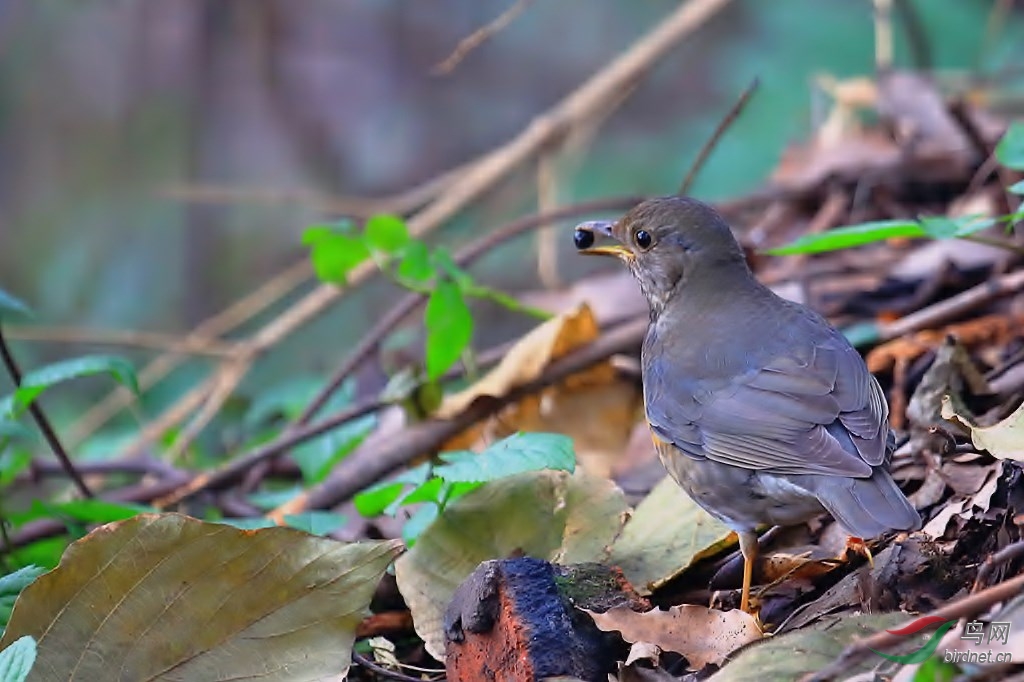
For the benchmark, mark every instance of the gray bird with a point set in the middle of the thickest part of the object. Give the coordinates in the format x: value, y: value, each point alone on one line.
x: 759, y: 409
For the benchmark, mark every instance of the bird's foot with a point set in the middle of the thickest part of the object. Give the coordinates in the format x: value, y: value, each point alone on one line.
x: 857, y: 546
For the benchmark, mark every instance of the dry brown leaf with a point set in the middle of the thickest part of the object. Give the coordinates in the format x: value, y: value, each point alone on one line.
x: 596, y: 408
x: 700, y: 634
x: 528, y: 357
x: 1004, y: 440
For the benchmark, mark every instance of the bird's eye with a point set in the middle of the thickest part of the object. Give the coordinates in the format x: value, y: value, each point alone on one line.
x: 643, y: 239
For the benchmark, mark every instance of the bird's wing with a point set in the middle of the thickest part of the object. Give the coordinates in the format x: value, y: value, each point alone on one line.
x: 818, y: 411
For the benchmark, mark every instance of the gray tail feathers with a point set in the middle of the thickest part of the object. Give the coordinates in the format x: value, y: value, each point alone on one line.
x: 867, y: 507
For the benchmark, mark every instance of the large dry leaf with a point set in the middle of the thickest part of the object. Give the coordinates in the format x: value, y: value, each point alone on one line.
x: 791, y: 656
x: 597, y: 408
x: 167, y: 597
x: 1004, y: 440
x: 701, y: 634
x: 544, y: 514
x: 528, y: 358
x: 665, y: 535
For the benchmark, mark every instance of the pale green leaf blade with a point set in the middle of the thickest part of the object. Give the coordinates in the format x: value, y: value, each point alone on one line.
x: 516, y: 454
x: 17, y: 659
x: 850, y: 236
x: 11, y: 306
x: 666, y: 533
x: 1010, y: 150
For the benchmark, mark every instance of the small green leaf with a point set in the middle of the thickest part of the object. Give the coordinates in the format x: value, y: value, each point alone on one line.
x: 373, y: 501
x: 386, y: 233
x: 11, y: 586
x: 419, y: 522
x: 1010, y: 150
x: 254, y: 523
x: 12, y: 462
x: 334, y: 254
x: 17, y: 659
x: 37, y: 381
x: 12, y: 430
x: 415, y: 264
x: 97, y: 511
x: 939, y: 227
x: 317, y: 457
x: 428, y: 491
x: 850, y: 236
x: 516, y: 454
x: 385, y: 497
x: 265, y: 500
x: 11, y: 306
x: 315, y: 522
x: 449, y: 324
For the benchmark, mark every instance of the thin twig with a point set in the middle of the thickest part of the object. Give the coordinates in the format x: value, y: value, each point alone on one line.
x: 966, y: 607
x: 951, y: 307
x: 43, y: 422
x: 723, y: 125
x: 390, y: 674
x: 124, y: 337
x: 1003, y: 556
x: 479, y: 36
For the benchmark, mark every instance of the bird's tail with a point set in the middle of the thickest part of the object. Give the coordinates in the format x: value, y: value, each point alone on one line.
x: 867, y: 507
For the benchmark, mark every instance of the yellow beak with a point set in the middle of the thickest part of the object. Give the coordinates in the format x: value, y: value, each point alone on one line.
x: 595, y: 237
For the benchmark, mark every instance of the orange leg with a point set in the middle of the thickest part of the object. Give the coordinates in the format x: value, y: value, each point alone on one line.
x: 749, y: 549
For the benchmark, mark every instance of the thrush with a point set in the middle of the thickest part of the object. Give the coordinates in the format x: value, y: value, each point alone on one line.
x: 759, y: 408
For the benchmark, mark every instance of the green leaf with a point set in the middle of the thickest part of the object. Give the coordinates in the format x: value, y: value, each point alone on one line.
x: 419, y: 522
x: 415, y: 264
x: 1017, y: 188
x: 266, y: 500
x: 386, y: 233
x: 38, y: 380
x: 334, y: 254
x: 939, y: 227
x: 1010, y: 150
x: 449, y: 324
x: 846, y: 237
x: 11, y: 306
x: 315, y: 522
x: 516, y: 454
x: 384, y: 497
x: 254, y: 523
x: 17, y: 659
x: 12, y: 462
x: 11, y: 586
x: 317, y: 457
x: 98, y: 511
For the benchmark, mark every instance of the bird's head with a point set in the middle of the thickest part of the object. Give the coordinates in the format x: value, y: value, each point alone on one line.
x: 668, y: 243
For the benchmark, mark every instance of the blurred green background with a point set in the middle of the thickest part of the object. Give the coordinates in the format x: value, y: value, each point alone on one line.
x: 107, y: 106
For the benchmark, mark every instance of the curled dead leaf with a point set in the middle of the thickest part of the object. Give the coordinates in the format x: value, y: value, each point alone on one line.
x: 700, y: 634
